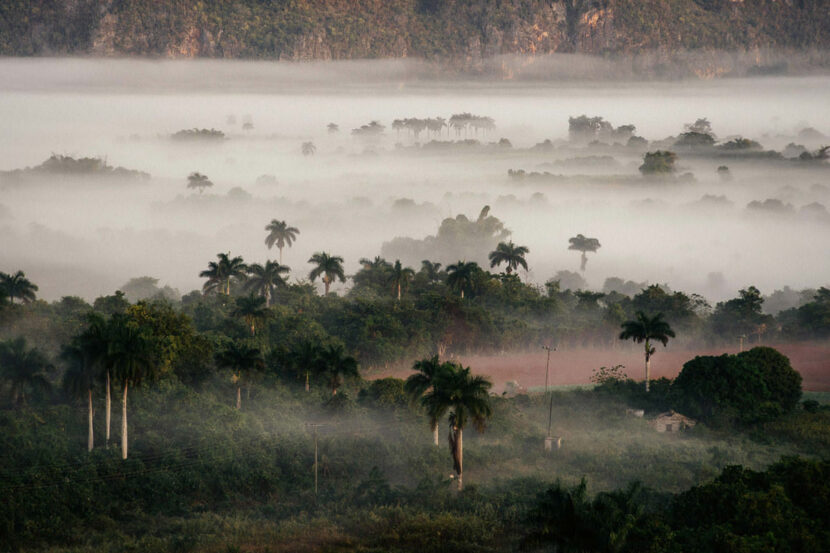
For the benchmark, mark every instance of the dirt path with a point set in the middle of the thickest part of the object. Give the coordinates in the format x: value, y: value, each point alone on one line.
x: 569, y: 367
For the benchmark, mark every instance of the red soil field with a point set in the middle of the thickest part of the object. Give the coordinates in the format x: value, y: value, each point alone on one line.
x: 575, y: 366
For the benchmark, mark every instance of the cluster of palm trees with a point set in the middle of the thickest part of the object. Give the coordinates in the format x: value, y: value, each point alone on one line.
x: 450, y: 390
x: 416, y: 126
x: 117, y: 350
x: 464, y: 121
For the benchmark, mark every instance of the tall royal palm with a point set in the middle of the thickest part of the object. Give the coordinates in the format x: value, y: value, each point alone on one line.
x: 133, y: 358
x: 329, y: 267
x: 18, y: 286
x: 305, y: 359
x: 421, y: 381
x: 264, y: 279
x: 400, y: 276
x: 242, y: 359
x: 466, y: 398
x: 79, y: 380
x: 281, y: 234
x: 432, y: 270
x: 644, y: 329
x: 336, y: 365
x: 509, y: 254
x: 460, y: 276
x: 23, y: 369
x: 220, y: 273
x: 583, y: 244
x: 252, y: 309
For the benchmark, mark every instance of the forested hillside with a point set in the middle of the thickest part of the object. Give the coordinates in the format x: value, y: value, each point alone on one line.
x: 460, y: 32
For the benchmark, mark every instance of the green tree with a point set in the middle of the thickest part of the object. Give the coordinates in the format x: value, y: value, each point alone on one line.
x: 400, y: 276
x: 264, y: 279
x: 23, y: 370
x: 783, y: 383
x: 330, y: 267
x: 79, y: 380
x: 466, y: 398
x: 583, y: 244
x: 242, y: 359
x: 220, y: 273
x: 281, y: 234
x: 198, y: 181
x: 336, y: 365
x: 17, y: 286
x: 253, y: 309
x: 422, y: 381
x: 511, y: 255
x: 658, y: 163
x: 133, y: 358
x: 461, y: 276
x: 305, y: 359
x: 94, y: 344
x: 644, y: 329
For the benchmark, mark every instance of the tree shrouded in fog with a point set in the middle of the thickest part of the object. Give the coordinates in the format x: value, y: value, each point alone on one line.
x: 264, y: 279
x: 309, y: 149
x: 23, y: 370
x: 420, y: 382
x: 281, y: 234
x: 644, y: 329
x: 328, y: 267
x: 220, y: 273
x: 18, y: 286
x: 333, y: 128
x: 400, y: 276
x: 198, y: 181
x: 583, y: 244
x: 466, y: 397
x: 509, y: 254
x: 658, y: 163
x: 461, y: 275
x: 242, y: 359
x: 132, y: 356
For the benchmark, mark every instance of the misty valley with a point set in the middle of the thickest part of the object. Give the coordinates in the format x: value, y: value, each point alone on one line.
x: 373, y: 306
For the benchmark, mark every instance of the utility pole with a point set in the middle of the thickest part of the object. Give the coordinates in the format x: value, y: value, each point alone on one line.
x: 315, y: 426
x: 548, y: 439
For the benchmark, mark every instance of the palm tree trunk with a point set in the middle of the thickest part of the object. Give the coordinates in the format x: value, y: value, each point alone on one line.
x: 460, y: 459
x: 280, y: 256
x: 399, y: 291
x: 327, y: 283
x: 435, y: 435
x: 462, y: 293
x: 239, y: 397
x: 109, y: 407
x: 648, y: 365
x: 124, y: 423
x: 90, y: 442
x: 306, y: 381
x: 584, y: 262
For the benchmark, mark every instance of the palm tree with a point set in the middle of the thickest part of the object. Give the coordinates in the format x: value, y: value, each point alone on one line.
x: 24, y: 370
x: 198, y: 181
x: 329, y: 266
x: 251, y: 308
x: 431, y: 270
x: 281, y: 234
x: 264, y: 279
x: 336, y: 365
x: 582, y: 244
x: 422, y: 381
x: 219, y: 273
x: 645, y: 329
x: 242, y: 359
x: 400, y: 276
x: 333, y: 128
x: 18, y: 286
x: 79, y: 380
x: 133, y: 358
x: 466, y: 398
x: 305, y: 358
x: 460, y: 276
x: 94, y: 343
x: 510, y: 254
x: 309, y: 149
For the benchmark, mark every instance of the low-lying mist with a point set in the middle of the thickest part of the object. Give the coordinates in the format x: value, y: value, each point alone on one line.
x: 85, y: 234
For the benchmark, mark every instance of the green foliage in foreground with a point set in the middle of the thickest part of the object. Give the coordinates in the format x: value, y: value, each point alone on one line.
x: 205, y: 476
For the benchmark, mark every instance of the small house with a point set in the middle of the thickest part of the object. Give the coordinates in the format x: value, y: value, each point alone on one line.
x: 670, y: 421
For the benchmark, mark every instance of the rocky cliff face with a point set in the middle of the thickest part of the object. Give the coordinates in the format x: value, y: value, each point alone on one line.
x: 461, y: 33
